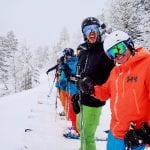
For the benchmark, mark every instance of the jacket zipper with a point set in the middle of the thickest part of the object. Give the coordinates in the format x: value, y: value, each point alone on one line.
x: 135, y: 100
x: 116, y: 101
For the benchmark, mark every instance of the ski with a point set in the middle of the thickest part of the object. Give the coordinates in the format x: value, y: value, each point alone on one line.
x: 100, y: 139
x: 77, y: 138
x: 69, y: 135
x: 107, y: 131
x: 28, y: 130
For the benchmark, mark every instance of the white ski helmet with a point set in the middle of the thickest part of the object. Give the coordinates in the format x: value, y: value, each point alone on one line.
x: 117, y: 37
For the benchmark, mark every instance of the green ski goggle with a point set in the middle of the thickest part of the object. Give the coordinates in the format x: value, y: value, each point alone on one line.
x: 117, y: 49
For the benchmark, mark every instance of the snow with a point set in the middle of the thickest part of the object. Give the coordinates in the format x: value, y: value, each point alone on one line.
x: 29, y: 121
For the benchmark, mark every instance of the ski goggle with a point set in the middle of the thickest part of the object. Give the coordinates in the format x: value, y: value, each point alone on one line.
x: 117, y: 49
x: 90, y: 28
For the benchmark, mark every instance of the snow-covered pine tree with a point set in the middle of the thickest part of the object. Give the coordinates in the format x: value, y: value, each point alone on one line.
x: 64, y: 38
x: 12, y: 45
x: 41, y: 57
x: 25, y: 74
x: 4, y: 53
x: 146, y: 23
x: 62, y: 43
x: 132, y: 17
x: 57, y: 49
x: 76, y: 39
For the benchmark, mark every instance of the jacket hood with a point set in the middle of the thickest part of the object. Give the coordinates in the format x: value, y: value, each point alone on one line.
x: 140, y: 53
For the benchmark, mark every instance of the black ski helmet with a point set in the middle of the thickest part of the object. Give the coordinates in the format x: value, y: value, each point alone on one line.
x: 90, y: 21
x: 68, y: 51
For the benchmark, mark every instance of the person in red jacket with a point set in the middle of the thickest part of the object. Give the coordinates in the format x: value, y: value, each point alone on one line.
x: 128, y: 88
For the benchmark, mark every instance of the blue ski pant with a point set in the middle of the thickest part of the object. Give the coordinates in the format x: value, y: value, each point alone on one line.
x: 118, y: 144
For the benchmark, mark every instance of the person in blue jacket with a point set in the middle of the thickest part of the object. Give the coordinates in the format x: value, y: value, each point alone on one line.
x: 67, y: 78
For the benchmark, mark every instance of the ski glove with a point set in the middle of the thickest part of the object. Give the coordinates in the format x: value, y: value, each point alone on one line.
x: 136, y: 137
x: 75, y: 103
x: 131, y: 139
x: 144, y: 133
x: 86, y: 85
x: 85, y: 99
x: 91, y: 101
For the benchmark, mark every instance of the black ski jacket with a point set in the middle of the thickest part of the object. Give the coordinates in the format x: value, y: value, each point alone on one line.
x: 93, y: 62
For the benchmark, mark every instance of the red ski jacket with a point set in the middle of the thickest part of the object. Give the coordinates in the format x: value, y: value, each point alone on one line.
x: 128, y: 88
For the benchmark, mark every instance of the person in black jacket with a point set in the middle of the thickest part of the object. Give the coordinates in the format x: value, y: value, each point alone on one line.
x: 93, y: 64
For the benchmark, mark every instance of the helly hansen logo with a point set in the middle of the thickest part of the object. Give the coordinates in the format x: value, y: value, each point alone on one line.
x: 132, y: 78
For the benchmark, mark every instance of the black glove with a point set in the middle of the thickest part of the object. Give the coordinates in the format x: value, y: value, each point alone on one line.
x: 75, y: 103
x: 131, y: 139
x: 144, y: 133
x: 91, y: 101
x: 86, y: 85
x: 136, y: 137
x: 47, y: 72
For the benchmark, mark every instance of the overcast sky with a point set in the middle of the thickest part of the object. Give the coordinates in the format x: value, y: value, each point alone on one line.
x: 39, y: 22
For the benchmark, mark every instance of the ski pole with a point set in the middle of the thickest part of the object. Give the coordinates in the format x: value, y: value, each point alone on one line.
x: 68, y: 106
x: 56, y: 102
x: 82, y: 122
x: 51, y: 86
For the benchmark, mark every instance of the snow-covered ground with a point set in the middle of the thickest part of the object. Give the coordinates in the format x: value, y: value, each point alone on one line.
x: 29, y: 121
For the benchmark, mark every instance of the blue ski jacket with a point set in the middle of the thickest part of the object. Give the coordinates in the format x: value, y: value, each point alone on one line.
x: 68, y: 70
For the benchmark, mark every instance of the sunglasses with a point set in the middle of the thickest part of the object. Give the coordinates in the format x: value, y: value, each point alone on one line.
x: 117, y: 49
x: 90, y: 28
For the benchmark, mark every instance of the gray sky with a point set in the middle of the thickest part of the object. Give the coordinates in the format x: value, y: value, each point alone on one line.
x: 39, y: 22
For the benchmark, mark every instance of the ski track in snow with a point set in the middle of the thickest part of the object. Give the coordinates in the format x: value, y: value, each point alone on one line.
x: 30, y: 121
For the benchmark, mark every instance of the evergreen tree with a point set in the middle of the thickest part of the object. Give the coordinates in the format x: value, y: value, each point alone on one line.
x: 3, y: 67
x: 26, y: 71
x: 132, y: 17
x: 12, y: 45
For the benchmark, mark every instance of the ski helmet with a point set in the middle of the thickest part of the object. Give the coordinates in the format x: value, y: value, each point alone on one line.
x: 90, y: 21
x: 68, y: 51
x: 117, y: 37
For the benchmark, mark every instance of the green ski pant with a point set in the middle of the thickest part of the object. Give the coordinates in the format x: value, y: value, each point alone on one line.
x: 87, y: 122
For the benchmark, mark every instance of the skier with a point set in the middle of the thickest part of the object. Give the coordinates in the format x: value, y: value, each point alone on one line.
x: 92, y: 63
x: 128, y: 88
x: 62, y: 95
x: 61, y: 88
x: 68, y: 72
